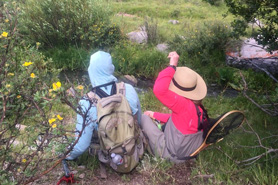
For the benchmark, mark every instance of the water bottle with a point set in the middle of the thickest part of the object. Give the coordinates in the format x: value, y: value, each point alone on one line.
x: 117, y: 159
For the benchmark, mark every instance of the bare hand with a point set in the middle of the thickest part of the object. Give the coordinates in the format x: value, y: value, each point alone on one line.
x: 174, y: 58
x: 149, y: 113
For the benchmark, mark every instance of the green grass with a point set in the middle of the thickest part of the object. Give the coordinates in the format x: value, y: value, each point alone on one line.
x: 188, y: 13
x: 219, y: 159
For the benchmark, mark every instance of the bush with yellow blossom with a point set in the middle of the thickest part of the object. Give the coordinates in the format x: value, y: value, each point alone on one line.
x: 30, y: 129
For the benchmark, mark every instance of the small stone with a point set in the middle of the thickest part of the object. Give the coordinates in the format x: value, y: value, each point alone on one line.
x: 174, y: 21
x: 74, y: 172
x: 81, y: 167
x: 162, y: 47
x: 71, y: 92
x: 81, y: 176
x: 133, y: 81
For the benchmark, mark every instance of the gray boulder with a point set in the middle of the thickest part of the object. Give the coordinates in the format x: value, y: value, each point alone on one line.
x: 138, y: 36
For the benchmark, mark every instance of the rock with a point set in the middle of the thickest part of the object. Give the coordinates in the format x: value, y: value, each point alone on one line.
x: 74, y: 172
x: 81, y: 176
x: 71, y: 92
x: 130, y: 79
x: 138, y: 37
x: 20, y: 127
x: 174, y: 21
x: 125, y: 14
x: 162, y: 47
x: 254, y: 56
x: 81, y: 167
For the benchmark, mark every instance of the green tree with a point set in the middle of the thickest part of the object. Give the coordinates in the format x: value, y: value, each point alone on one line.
x: 261, y: 12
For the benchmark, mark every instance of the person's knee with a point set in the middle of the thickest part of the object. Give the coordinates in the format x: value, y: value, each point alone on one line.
x: 145, y: 120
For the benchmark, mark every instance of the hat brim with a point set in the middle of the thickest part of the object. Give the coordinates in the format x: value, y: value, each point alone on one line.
x: 198, y: 93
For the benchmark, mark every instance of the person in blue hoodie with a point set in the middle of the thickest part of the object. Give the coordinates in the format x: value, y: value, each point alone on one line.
x: 100, y: 71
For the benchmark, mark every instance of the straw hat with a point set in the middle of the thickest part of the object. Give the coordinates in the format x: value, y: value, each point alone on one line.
x: 188, y: 83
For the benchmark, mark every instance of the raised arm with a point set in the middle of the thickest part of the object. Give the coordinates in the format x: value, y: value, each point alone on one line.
x: 161, y: 86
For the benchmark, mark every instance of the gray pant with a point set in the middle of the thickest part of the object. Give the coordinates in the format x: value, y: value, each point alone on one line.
x: 157, y: 140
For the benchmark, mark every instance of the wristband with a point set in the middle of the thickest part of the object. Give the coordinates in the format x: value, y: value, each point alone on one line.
x: 172, y: 66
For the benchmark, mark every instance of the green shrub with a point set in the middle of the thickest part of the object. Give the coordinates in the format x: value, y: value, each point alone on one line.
x: 68, y: 22
x: 214, y: 2
x: 68, y: 57
x: 138, y: 60
x: 203, y: 47
x: 152, y: 31
x: 29, y: 91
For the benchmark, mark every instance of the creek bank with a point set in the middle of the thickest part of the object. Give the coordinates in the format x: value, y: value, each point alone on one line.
x: 142, y: 85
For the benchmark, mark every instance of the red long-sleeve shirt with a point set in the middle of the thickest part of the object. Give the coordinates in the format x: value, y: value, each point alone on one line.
x: 184, y: 114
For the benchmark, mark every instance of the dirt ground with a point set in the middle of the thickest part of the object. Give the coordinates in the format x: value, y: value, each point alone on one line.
x: 176, y: 174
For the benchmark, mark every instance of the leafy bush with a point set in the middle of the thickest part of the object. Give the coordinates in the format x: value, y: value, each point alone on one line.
x: 68, y: 22
x: 31, y: 128
x: 203, y: 47
x: 213, y: 2
x: 138, y: 60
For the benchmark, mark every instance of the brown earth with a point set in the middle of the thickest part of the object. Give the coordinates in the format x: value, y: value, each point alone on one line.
x: 175, y: 174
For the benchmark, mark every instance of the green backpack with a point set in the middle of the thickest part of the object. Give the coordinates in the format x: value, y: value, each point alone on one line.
x: 118, y: 130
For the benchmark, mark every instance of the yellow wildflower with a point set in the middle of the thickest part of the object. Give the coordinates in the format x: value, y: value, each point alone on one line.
x: 7, y: 65
x: 27, y: 64
x: 56, y: 85
x: 6, y: 20
x: 24, y: 160
x: 50, y: 121
x: 32, y: 75
x: 8, y: 85
x: 80, y: 87
x: 18, y: 96
x: 60, y: 117
x: 10, y: 74
x: 38, y: 43
x: 54, y: 125
x: 18, y: 169
x: 5, y: 34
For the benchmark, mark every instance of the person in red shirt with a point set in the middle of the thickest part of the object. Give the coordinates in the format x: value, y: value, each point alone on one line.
x: 181, y: 90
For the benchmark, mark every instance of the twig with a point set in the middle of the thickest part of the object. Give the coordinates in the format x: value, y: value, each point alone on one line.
x: 254, y: 159
x: 4, y: 111
x: 255, y: 103
x: 262, y: 69
x: 257, y: 135
x: 204, y: 176
x: 219, y: 148
x: 32, y: 179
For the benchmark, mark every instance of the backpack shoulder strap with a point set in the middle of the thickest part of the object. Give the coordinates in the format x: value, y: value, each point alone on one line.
x: 121, y: 88
x: 199, y: 117
x: 93, y: 97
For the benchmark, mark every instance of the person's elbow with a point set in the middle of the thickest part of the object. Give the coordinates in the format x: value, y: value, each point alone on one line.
x: 158, y: 91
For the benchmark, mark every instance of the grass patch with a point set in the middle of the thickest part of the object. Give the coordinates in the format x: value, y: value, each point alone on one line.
x: 217, y: 164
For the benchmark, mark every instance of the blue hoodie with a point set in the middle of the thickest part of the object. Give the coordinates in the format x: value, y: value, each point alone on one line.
x: 100, y: 72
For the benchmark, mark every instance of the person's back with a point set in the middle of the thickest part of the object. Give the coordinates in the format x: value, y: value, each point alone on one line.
x: 100, y: 72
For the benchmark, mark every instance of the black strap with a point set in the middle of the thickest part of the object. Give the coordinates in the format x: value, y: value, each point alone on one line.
x: 204, y: 117
x: 183, y: 88
x: 103, y: 94
x: 199, y: 117
x: 181, y: 158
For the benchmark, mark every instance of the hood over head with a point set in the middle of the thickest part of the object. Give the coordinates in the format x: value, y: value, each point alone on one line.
x: 101, y: 69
